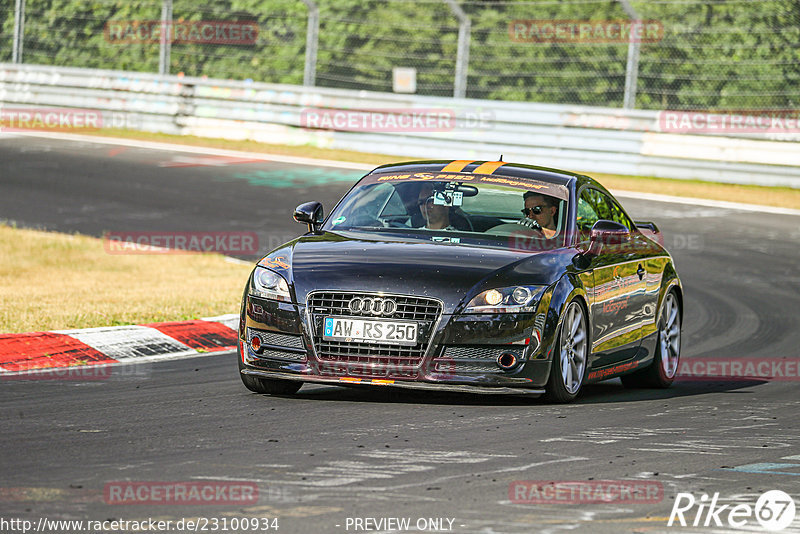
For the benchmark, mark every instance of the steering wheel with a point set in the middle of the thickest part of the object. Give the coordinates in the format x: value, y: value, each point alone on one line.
x: 530, y: 223
x: 457, y: 214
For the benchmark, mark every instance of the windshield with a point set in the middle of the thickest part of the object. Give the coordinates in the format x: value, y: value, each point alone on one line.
x: 455, y: 208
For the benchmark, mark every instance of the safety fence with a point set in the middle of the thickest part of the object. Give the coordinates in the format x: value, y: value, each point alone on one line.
x: 669, y: 54
x: 746, y: 149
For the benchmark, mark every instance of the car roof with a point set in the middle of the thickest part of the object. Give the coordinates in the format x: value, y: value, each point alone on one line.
x: 495, y: 168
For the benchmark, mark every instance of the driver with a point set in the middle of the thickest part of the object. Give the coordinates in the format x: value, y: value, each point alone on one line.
x: 540, y: 210
x: 437, y: 217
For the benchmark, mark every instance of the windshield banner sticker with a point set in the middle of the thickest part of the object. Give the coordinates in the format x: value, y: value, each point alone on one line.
x: 555, y: 190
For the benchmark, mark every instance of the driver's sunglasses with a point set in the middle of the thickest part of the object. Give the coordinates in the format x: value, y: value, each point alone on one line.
x: 536, y: 210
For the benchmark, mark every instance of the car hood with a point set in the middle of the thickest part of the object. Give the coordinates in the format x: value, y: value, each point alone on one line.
x: 451, y: 273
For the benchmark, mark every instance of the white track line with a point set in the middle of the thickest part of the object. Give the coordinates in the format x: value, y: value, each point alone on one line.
x: 705, y: 202
x: 361, y: 166
x: 152, y: 145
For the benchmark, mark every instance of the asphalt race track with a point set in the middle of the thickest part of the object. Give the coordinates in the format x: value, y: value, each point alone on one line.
x: 329, y: 454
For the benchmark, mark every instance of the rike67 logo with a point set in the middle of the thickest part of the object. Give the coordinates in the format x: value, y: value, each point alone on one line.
x: 774, y: 511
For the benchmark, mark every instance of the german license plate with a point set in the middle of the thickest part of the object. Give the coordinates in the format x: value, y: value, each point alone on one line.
x: 375, y: 331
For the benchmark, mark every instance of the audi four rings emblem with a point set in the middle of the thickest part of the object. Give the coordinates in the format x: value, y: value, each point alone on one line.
x: 373, y: 305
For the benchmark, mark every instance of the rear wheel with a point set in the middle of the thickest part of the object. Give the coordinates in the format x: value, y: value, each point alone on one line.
x: 568, y: 371
x: 661, y: 372
x: 268, y: 385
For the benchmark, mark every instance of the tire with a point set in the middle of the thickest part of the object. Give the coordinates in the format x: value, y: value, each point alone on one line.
x: 568, y: 371
x: 661, y: 372
x: 268, y: 385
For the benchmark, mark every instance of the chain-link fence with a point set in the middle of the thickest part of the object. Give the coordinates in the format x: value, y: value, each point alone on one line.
x: 681, y: 54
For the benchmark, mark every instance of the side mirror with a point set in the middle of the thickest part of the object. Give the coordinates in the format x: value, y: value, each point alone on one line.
x: 311, y: 214
x: 648, y: 225
x: 606, y: 233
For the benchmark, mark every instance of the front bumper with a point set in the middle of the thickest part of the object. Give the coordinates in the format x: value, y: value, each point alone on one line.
x: 430, y: 386
x: 442, y: 367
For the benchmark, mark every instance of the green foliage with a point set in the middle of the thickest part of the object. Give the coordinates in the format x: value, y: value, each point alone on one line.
x: 726, y: 55
x: 713, y: 55
x: 6, y: 31
x: 276, y: 57
x: 71, y: 33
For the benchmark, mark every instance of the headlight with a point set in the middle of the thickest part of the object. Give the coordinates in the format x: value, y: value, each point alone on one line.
x: 269, y: 285
x: 506, y: 299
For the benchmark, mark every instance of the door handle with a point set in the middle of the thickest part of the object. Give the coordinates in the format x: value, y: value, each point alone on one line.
x: 640, y: 271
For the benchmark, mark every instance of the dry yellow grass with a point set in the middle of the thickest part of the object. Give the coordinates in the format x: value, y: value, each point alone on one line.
x: 783, y: 197
x: 55, y: 281
x: 252, y: 146
x: 51, y: 281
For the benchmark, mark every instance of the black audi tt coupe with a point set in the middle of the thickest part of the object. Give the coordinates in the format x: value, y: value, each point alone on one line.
x: 482, y: 277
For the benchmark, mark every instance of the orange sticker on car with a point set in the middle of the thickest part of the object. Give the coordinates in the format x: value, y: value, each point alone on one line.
x: 489, y: 167
x: 276, y: 262
x: 457, y: 165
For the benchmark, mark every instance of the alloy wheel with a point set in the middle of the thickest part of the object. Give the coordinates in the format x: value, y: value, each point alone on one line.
x: 573, y: 348
x: 670, y: 335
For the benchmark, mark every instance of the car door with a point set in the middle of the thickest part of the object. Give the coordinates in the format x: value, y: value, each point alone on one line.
x: 618, y: 298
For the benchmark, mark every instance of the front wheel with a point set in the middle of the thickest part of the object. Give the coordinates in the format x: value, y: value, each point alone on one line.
x: 568, y: 371
x: 661, y: 373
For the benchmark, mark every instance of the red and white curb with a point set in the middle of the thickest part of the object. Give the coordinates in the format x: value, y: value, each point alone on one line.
x: 113, y: 344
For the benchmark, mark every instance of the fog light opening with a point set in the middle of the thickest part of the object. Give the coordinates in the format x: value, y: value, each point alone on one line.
x: 507, y: 361
x: 256, y: 343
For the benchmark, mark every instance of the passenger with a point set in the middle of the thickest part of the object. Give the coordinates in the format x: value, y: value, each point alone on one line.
x: 540, y: 210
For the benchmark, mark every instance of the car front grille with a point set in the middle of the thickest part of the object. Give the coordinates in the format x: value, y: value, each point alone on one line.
x: 466, y: 367
x: 373, y: 359
x: 376, y: 368
x: 470, y: 352
x: 408, y: 308
x: 276, y: 345
x: 281, y: 355
x: 280, y: 340
x: 458, y: 359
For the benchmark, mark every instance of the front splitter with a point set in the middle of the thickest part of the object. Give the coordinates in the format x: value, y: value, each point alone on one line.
x: 430, y: 386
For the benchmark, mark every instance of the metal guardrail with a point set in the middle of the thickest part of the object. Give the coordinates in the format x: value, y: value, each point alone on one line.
x: 587, y: 139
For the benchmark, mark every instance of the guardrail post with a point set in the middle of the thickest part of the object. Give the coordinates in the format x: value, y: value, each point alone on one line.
x: 632, y: 68
x: 166, y: 37
x: 19, y: 31
x: 462, y: 56
x: 312, y: 41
